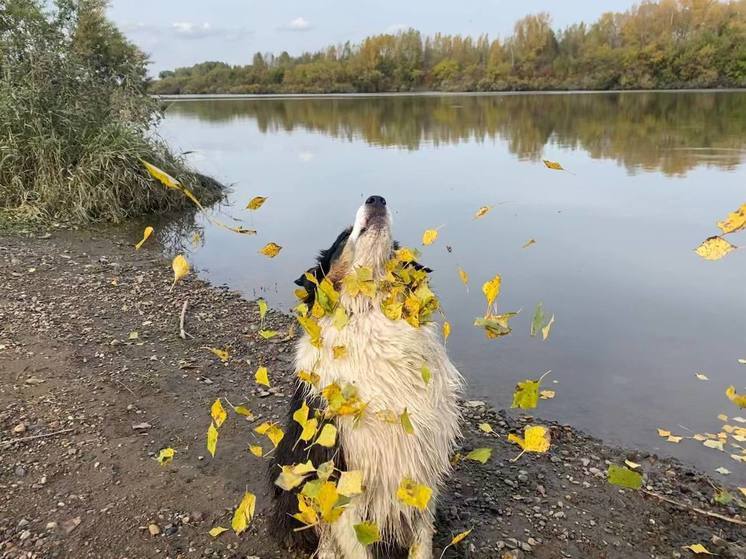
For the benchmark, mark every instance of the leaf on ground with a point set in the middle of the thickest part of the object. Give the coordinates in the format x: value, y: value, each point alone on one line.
x: 633, y: 465
x: 268, y: 334
x: 406, y: 422
x: 165, y: 455
x: 145, y: 235
x: 367, y: 533
x: 221, y: 354
x: 244, y: 411
x: 413, y: 494
x: 256, y: 450
x: 218, y: 413
x: 536, y: 438
x: 480, y: 455
x: 722, y: 497
x: 486, y: 427
x: 737, y: 399
x: 624, y: 477
x: 483, y: 211
x: 429, y: 236
x: 714, y: 248
x: 212, y: 439
x: 491, y: 289
x: 328, y: 436
x: 350, y: 483
x: 262, y: 376
x: 180, y: 266
x: 270, y: 250
x: 272, y: 431
x: 256, y: 202
x: 553, y: 165
x: 458, y: 538
x: 698, y: 548
x: 216, y: 531
x: 244, y: 513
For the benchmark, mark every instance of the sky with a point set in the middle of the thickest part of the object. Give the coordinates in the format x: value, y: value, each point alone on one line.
x: 183, y: 32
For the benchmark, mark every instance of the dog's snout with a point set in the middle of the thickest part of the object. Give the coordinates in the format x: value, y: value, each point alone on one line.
x: 376, y: 201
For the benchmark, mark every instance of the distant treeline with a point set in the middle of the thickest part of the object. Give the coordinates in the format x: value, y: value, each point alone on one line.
x: 666, y: 44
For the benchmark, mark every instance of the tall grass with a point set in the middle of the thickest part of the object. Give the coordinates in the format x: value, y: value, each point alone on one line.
x: 75, y: 120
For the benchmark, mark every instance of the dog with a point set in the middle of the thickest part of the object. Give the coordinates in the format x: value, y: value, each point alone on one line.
x: 383, y: 367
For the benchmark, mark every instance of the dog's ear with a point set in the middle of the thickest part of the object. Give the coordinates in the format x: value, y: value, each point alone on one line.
x: 414, y: 264
x: 308, y: 285
x: 325, y: 260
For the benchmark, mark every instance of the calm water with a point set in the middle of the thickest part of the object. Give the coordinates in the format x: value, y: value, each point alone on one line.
x: 637, y: 312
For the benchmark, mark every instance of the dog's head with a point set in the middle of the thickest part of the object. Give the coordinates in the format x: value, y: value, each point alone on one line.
x: 367, y: 243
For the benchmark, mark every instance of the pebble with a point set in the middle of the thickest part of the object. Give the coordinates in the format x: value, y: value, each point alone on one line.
x: 154, y: 529
x: 20, y: 428
x: 20, y: 471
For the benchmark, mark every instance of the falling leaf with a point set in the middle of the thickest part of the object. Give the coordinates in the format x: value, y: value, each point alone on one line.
x: 538, y: 320
x: 272, y: 432
x: 701, y: 376
x: 328, y: 436
x: 546, y: 394
x: 722, y: 417
x: 446, y: 330
x: 306, y: 514
x: 221, y: 354
x: 263, y: 308
x: 674, y: 439
x: 458, y: 538
x: 244, y: 513
x: 256, y: 202
x: 145, y: 234
x: 429, y: 236
x: 212, y: 439
x: 545, y: 330
x: 406, y: 422
x: 413, y: 494
x: 633, y: 465
x: 722, y: 471
x: 481, y: 212
x: 180, y: 267
x: 217, y: 412
x: 271, y: 250
x: 464, y: 276
x: 536, y: 439
x: 367, y: 533
x: 215, y: 532
x: 480, y: 455
x: 240, y: 229
x: 528, y: 243
x: 714, y: 248
x: 624, y: 477
x: 664, y: 433
x: 300, y: 416
x: 553, y: 165
x: 244, y: 411
x: 165, y: 455
x: 734, y: 222
x: 268, y: 334
x: 426, y: 374
x: 486, y: 427
x: 313, y: 330
x: 698, y: 548
x: 710, y: 443
x: 309, y: 430
x: 491, y: 289
x: 737, y: 399
x: 339, y: 351
x: 256, y: 450
x: 350, y: 483
x: 340, y: 319
x: 495, y: 325
x: 526, y: 395
x: 262, y: 376
x: 309, y: 377
x: 292, y: 476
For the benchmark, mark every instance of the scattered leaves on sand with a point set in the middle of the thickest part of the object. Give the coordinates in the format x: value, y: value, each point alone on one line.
x: 624, y: 477
x: 145, y: 235
x: 216, y: 531
x: 262, y: 376
x: 218, y: 413
x: 270, y: 250
x: 212, y: 439
x: 256, y: 202
x: 480, y: 455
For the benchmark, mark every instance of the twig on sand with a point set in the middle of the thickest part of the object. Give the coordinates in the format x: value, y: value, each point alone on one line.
x: 125, y: 387
x: 695, y: 509
x: 183, y: 333
x: 11, y: 442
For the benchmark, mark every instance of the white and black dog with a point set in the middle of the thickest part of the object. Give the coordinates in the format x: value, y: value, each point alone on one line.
x: 384, y: 362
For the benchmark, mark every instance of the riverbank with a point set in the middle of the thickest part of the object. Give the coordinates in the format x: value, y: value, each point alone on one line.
x: 94, y: 380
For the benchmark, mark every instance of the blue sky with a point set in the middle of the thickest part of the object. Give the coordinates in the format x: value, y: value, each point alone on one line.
x: 183, y: 32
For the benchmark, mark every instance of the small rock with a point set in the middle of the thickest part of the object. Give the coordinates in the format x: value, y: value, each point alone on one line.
x: 34, y: 381
x: 20, y: 428
x: 22, y: 522
x: 141, y: 426
x: 51, y: 525
x: 154, y: 529
x: 26, y: 534
x: 474, y: 404
x: 70, y: 524
x: 20, y: 471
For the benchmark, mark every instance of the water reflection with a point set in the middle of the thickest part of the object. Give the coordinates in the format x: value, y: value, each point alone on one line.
x: 667, y: 132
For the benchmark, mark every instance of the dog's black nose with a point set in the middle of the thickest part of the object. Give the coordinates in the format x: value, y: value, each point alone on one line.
x: 376, y: 201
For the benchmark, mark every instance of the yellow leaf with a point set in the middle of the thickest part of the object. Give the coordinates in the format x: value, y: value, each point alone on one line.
x: 339, y: 351
x: 145, y: 234
x: 165, y: 455
x: 306, y: 514
x: 405, y: 254
x: 327, y: 499
x: 180, y: 267
x: 272, y: 431
x: 536, y: 439
x: 263, y: 308
x: 262, y: 376
x: 701, y: 376
x: 256, y: 450
x: 735, y: 221
x: 309, y: 429
x: 215, y: 532
x: 545, y: 330
x: 271, y: 250
x: 737, y: 399
x: 244, y: 513
x: 413, y: 494
x: 664, y: 433
x: 553, y: 165
x: 547, y: 394
x: 406, y: 423
x: 698, y: 548
x: 480, y: 455
x: 360, y: 281
x: 387, y: 416
x: 350, y: 483
x: 528, y: 243
x: 491, y: 289
x: 486, y: 427
x: 709, y: 443
x: 328, y: 436
x: 212, y: 439
x: 426, y: 374
x: 309, y: 377
x: 340, y: 318
x: 722, y: 471
x: 722, y: 416
x: 458, y: 538
x: 244, y: 411
x: 714, y: 248
x: 217, y: 411
x: 300, y: 416
x: 446, y: 330
x: 526, y: 394
x: 464, y: 276
x: 674, y: 439
x: 268, y: 334
x: 367, y: 533
x: 323, y: 472
x: 221, y: 354
x: 313, y: 330
x: 633, y: 465
x: 742, y: 490
x: 167, y: 180
x: 292, y: 476
x: 256, y: 202
x: 429, y: 236
x: 481, y: 212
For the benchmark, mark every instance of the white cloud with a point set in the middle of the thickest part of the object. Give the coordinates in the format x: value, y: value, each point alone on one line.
x: 186, y: 30
x: 298, y: 24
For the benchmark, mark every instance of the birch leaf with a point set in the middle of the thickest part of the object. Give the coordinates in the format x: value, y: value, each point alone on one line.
x: 340, y: 319
x: 256, y: 450
x: 328, y: 436
x: 350, y: 483
x: 538, y: 320
x: 406, y: 422
x: 256, y: 202
x: 624, y: 477
x: 701, y: 376
x: 734, y: 222
x: 221, y: 354
x: 217, y: 412
x: 339, y: 352
x: 306, y: 513
x: 212, y: 439
x: 268, y: 334
x: 529, y: 243
x: 491, y: 289
x: 526, y: 395
x: 271, y: 431
x: 309, y: 377
x: 698, y: 548
x: 429, y: 236
x: 483, y: 211
x: 458, y: 538
x: 535, y: 439
x: 263, y: 308
x: 737, y: 399
x: 262, y: 376
x: 313, y: 330
x: 165, y: 455
x: 300, y: 416
x: 722, y: 471
x: 495, y: 325
x: 426, y: 374
x: 553, y: 165
x: 464, y: 276
x: 244, y: 411
x: 145, y: 235
x: 244, y: 513
x: 446, y: 330
x: 545, y: 330
x: 271, y: 250
x: 714, y: 248
x: 367, y: 533
x: 309, y: 429
x: 216, y: 531
x: 413, y: 494
x: 480, y: 455
x: 547, y: 394
x: 180, y: 266
x: 486, y: 427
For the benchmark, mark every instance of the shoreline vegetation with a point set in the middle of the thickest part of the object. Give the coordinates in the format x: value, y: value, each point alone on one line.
x: 76, y: 121
x: 670, y: 44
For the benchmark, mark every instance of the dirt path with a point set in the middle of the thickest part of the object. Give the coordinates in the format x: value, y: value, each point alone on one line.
x: 70, y: 369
